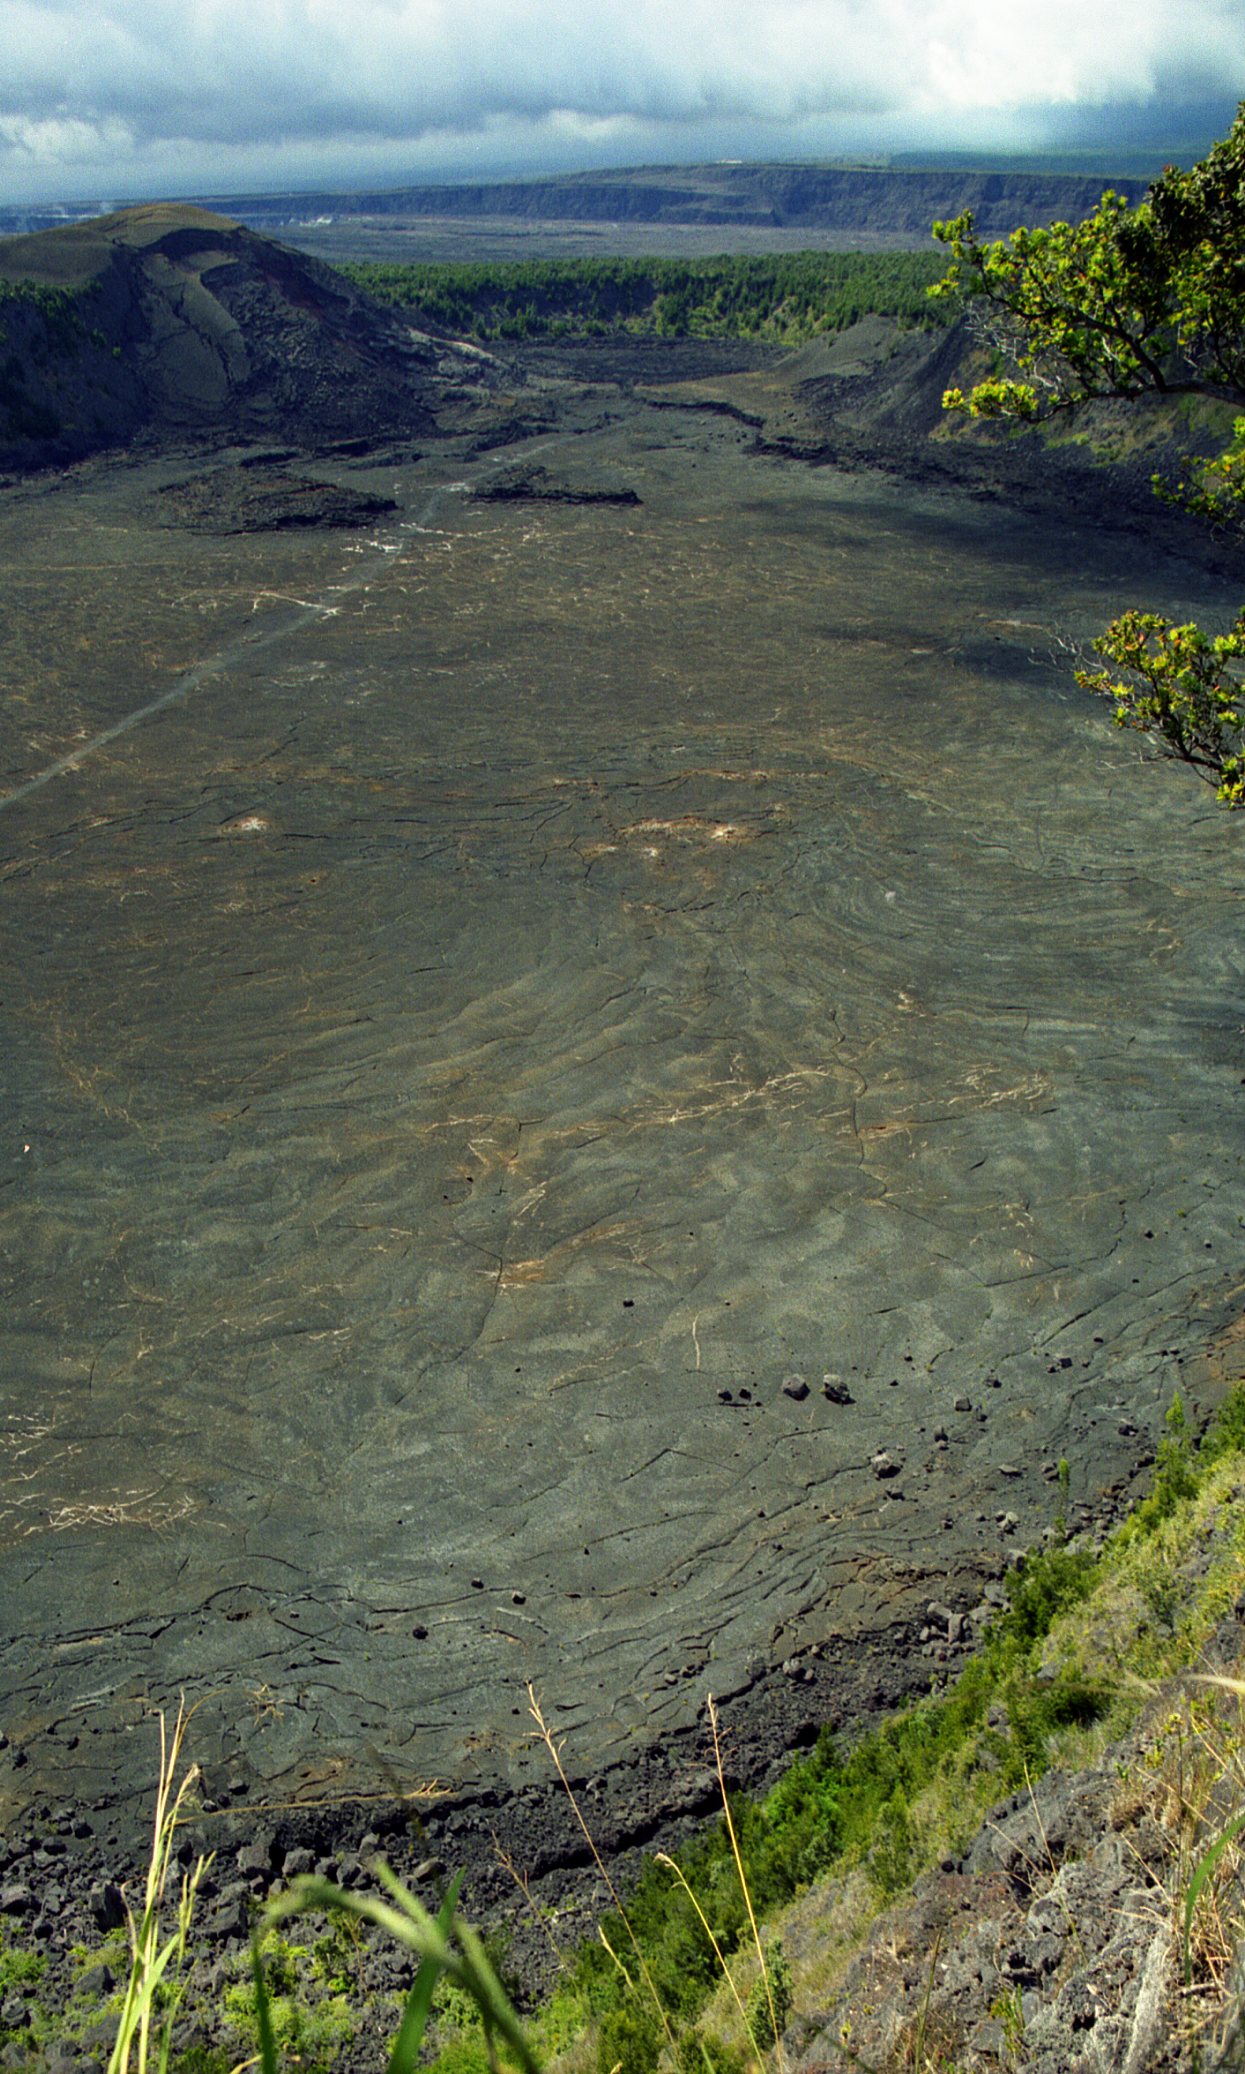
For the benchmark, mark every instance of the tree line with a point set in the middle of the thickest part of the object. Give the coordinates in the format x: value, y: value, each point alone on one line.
x: 785, y: 299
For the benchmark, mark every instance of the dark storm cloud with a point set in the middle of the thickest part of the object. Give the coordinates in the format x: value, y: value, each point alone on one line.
x: 111, y: 91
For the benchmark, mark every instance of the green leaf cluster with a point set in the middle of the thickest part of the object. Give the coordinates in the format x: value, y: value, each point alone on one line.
x: 770, y: 2002
x: 1133, y: 301
x: 1177, y: 1470
x: 1180, y: 685
x: 1217, y: 489
x: 1082, y: 309
x: 1130, y: 301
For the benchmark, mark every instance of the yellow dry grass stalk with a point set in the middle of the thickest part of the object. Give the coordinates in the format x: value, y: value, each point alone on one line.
x: 664, y: 1858
x: 155, y: 1957
x: 743, y: 1878
x: 555, y: 1752
x: 1210, y: 1919
x: 524, y: 1885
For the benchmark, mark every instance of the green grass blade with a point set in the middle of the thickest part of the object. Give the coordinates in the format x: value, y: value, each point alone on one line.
x: 405, y: 2055
x: 263, y: 2013
x: 492, y: 2001
x: 1201, y: 1873
x: 415, y: 1910
x: 312, y: 1892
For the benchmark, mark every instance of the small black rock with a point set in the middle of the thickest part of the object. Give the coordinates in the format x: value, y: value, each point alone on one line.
x: 106, y: 1905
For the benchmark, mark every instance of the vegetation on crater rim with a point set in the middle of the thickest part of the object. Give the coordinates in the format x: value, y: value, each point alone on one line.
x: 50, y: 323
x: 1134, y: 302
x: 1060, y: 1673
x: 782, y: 299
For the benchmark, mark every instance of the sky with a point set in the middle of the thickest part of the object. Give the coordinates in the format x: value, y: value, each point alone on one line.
x: 112, y: 100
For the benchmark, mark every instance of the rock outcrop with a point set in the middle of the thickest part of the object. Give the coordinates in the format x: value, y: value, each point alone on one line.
x: 169, y: 322
x: 1053, y: 1945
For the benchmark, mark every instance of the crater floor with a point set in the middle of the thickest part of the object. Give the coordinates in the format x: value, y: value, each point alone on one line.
x: 489, y: 999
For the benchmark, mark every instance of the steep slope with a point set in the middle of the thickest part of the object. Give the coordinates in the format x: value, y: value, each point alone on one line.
x: 170, y: 322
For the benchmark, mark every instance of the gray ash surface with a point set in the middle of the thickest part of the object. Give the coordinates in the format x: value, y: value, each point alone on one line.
x: 492, y: 1001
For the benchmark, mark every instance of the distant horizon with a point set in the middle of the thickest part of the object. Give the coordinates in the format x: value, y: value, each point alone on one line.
x: 1104, y: 162
x: 99, y: 98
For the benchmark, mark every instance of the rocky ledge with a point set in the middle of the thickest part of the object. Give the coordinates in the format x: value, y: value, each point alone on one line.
x: 265, y: 500
x: 1053, y: 1943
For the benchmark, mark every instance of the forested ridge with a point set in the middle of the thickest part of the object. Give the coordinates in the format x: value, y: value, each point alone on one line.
x: 785, y: 299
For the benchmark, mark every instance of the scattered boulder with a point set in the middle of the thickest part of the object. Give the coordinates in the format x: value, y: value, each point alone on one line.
x: 107, y: 1905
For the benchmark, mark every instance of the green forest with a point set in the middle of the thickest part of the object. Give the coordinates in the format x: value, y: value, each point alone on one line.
x: 784, y: 299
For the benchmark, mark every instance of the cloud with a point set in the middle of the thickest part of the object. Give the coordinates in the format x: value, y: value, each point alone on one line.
x: 111, y: 85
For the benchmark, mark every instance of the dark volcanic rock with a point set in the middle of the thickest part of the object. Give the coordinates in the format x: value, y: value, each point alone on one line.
x: 1049, y: 1945
x: 535, y: 484
x: 473, y: 925
x: 872, y: 398
x: 239, y: 500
